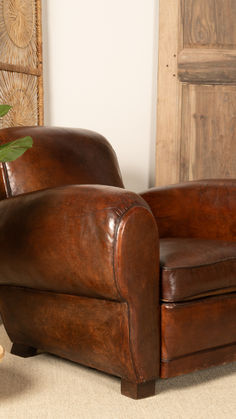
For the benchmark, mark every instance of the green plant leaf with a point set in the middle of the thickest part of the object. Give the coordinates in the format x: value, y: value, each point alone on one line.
x: 4, y: 109
x: 14, y: 149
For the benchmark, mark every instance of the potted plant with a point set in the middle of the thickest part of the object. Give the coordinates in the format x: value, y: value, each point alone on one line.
x: 13, y: 149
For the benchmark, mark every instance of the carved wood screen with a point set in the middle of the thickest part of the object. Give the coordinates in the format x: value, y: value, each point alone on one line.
x: 196, y: 120
x: 21, y: 62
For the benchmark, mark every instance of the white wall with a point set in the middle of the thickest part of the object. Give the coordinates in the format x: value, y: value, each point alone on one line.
x: 100, y: 72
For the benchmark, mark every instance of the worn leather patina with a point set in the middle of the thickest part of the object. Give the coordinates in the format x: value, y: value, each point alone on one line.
x: 80, y: 272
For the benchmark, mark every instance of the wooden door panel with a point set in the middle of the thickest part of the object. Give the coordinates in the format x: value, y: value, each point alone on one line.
x: 208, y: 146
x: 196, y: 114
x: 209, y: 23
x: 207, y: 66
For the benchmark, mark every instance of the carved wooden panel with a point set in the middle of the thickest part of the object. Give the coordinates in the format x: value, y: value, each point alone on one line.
x: 21, y: 61
x: 20, y: 90
x: 196, y: 119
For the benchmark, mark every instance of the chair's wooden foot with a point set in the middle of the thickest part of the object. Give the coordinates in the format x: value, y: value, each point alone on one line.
x: 23, y: 350
x: 137, y: 391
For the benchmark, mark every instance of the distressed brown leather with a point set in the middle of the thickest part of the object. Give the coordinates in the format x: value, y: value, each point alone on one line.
x: 123, y: 272
x: 196, y: 326
x: 80, y: 262
x: 197, y: 225
x: 70, y: 326
x: 197, y: 361
x: 59, y: 156
x: 137, y: 260
x: 204, y: 209
x: 67, y: 235
x: 194, y: 268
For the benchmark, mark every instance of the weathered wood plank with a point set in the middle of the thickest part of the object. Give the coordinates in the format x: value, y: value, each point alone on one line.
x: 196, y: 131
x: 207, y: 66
x: 208, y: 148
x: 209, y: 23
x: 169, y: 97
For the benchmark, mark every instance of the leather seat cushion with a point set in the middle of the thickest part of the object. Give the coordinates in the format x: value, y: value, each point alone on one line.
x: 195, y: 268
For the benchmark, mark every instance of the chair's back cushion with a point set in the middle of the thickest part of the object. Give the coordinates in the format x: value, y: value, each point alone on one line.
x: 201, y: 209
x: 59, y: 156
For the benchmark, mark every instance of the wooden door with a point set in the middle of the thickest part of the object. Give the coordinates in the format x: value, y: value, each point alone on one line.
x: 196, y: 113
x: 21, y: 62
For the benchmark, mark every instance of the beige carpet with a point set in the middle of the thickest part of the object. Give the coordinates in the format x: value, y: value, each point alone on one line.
x: 49, y: 387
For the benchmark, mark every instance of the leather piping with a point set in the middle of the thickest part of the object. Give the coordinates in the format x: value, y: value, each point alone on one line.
x: 168, y: 268
x: 179, y: 304
x: 205, y: 294
x: 49, y: 291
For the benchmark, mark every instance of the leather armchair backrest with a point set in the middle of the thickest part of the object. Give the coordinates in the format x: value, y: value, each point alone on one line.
x: 59, y: 156
x: 197, y: 209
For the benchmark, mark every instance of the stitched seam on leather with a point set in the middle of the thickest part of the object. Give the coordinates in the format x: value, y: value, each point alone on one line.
x: 166, y: 268
x: 203, y: 300
x: 198, y: 352
x: 199, y: 295
x: 25, y: 287
x: 37, y: 290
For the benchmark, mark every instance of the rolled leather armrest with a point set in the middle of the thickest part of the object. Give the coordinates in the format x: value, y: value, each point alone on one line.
x: 197, y: 209
x: 75, y: 239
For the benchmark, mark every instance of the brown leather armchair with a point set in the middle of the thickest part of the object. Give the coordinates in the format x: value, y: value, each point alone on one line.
x: 80, y: 263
